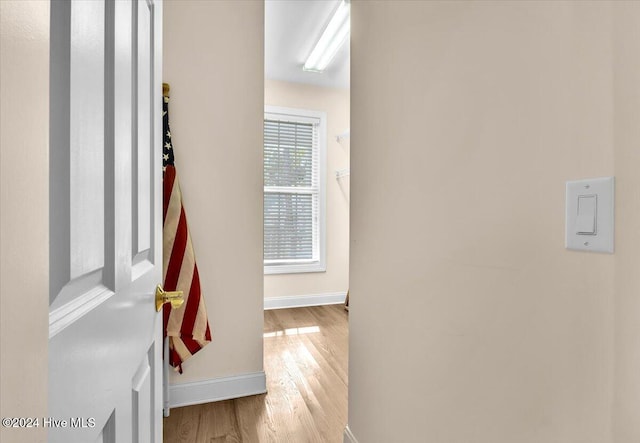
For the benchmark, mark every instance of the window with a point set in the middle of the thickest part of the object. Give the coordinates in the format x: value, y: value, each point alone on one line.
x: 294, y: 190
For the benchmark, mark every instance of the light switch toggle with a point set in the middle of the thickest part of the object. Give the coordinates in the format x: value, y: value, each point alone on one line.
x: 587, y: 213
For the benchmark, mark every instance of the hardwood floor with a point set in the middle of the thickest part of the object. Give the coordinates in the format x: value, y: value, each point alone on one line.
x: 305, y: 359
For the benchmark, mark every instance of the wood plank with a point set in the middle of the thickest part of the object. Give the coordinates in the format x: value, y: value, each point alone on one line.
x: 182, y: 425
x: 255, y: 423
x: 216, y: 421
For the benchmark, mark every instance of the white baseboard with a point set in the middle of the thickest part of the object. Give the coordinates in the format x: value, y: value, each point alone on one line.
x: 348, y: 436
x: 300, y: 301
x: 224, y: 388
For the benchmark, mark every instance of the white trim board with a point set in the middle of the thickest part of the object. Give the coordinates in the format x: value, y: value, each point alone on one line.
x: 348, y: 436
x: 300, y: 301
x: 223, y: 388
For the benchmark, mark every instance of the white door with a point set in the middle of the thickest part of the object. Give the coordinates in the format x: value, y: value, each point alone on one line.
x: 105, y: 336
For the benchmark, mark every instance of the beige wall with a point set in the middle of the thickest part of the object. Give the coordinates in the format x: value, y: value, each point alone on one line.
x: 24, y: 214
x: 626, y: 90
x: 214, y: 62
x: 335, y: 102
x: 469, y: 321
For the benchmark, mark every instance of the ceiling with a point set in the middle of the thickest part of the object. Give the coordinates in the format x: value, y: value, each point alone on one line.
x: 292, y: 28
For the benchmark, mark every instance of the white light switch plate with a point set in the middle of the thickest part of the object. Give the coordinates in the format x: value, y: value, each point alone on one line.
x: 575, y: 237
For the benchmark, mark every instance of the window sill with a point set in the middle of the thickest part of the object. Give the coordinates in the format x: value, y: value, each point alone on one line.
x: 295, y: 268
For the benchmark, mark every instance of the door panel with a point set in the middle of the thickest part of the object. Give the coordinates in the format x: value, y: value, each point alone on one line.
x: 144, y: 57
x: 86, y: 138
x: 141, y: 402
x: 105, y: 336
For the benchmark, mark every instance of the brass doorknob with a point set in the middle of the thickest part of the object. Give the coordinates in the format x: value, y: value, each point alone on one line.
x: 176, y: 298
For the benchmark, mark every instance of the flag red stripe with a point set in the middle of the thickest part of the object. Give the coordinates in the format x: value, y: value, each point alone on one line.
x: 175, y: 262
x: 169, y: 178
x: 175, y: 360
x: 191, y: 310
x: 192, y: 345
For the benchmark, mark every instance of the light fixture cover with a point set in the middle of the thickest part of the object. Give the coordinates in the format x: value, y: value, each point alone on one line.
x: 331, y: 40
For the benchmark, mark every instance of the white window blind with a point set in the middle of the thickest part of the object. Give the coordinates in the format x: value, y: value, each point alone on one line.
x: 292, y: 192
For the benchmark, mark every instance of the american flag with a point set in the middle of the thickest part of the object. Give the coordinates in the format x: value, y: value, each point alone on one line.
x: 187, y: 326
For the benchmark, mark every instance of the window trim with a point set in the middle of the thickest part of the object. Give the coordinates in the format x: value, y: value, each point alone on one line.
x: 305, y: 115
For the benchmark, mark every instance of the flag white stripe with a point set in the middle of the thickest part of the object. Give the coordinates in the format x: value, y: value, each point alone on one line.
x: 200, y: 326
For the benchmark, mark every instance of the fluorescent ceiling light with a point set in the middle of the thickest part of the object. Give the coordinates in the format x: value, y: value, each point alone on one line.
x: 332, y: 39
